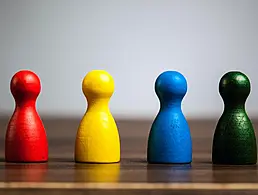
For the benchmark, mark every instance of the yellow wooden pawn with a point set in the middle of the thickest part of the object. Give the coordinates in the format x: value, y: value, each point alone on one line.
x: 97, y: 139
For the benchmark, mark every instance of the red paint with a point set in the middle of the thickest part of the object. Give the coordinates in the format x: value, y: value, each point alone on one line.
x: 26, y: 139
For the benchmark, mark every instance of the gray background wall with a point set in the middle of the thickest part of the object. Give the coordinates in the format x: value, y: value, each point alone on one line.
x: 134, y: 40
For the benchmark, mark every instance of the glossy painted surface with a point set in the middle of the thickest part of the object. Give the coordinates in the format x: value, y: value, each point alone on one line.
x: 234, y: 138
x: 169, y: 138
x: 26, y: 139
x: 97, y: 139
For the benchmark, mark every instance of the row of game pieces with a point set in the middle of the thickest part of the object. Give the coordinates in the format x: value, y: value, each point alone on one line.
x: 98, y: 140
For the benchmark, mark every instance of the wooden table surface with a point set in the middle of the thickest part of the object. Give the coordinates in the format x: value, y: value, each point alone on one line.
x: 132, y: 175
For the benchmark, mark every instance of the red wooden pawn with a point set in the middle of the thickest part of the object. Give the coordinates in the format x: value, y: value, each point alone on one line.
x: 26, y: 139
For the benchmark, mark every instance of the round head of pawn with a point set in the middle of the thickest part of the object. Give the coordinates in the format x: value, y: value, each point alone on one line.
x: 98, y: 84
x: 234, y: 87
x: 170, y: 85
x: 25, y: 85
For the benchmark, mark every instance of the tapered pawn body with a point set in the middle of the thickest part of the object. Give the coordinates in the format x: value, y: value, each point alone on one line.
x: 26, y: 139
x: 170, y: 138
x: 234, y: 141
x: 97, y: 139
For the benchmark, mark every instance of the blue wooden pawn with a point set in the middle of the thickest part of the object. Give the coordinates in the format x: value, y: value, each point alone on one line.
x: 170, y: 138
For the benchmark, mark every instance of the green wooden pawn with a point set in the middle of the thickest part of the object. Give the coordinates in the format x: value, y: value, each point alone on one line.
x: 234, y: 141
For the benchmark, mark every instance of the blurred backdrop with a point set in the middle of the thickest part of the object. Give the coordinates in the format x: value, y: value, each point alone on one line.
x: 134, y: 40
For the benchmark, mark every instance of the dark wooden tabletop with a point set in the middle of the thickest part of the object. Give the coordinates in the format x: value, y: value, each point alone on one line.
x: 132, y: 175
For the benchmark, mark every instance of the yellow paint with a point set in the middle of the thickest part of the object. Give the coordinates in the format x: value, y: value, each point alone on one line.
x: 97, y: 139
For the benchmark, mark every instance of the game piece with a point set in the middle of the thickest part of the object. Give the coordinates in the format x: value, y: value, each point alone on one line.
x: 26, y: 139
x: 170, y: 138
x: 97, y: 139
x: 234, y: 141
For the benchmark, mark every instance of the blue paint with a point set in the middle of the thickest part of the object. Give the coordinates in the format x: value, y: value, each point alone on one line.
x: 170, y: 138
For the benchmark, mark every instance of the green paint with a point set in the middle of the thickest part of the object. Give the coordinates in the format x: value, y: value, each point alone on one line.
x: 234, y: 141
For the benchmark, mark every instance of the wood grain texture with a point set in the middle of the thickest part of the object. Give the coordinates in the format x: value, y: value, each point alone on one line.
x: 132, y: 175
